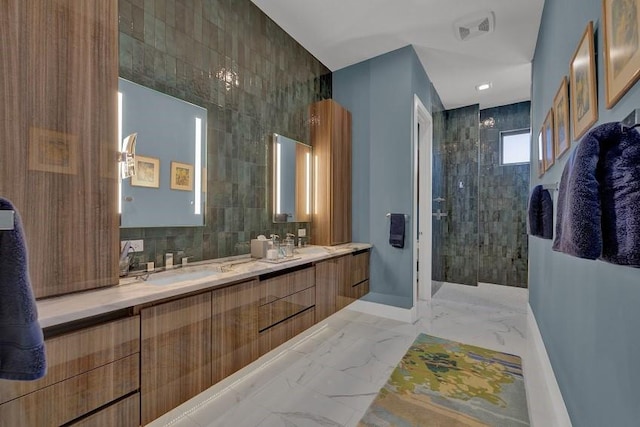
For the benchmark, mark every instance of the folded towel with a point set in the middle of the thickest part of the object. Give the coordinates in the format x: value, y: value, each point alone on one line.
x: 22, y: 354
x: 396, y: 230
x: 540, y: 213
x: 547, y: 215
x: 619, y: 177
x: 599, y: 197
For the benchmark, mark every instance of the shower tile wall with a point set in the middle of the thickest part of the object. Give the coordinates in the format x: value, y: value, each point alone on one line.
x: 253, y: 79
x: 461, y: 181
x: 484, y: 238
x: 503, y: 198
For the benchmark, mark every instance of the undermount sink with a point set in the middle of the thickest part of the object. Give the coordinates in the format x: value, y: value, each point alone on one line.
x: 312, y: 250
x: 173, y: 277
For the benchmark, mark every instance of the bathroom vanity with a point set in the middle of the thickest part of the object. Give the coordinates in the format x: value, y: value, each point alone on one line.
x: 126, y: 355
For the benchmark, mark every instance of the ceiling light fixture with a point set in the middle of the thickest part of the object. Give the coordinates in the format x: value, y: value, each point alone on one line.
x: 483, y: 86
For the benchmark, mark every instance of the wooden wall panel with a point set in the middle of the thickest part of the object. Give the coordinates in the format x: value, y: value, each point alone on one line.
x: 175, y: 353
x: 320, y: 119
x: 331, y: 140
x: 65, y: 401
x: 235, y: 341
x: 58, y: 131
x: 77, y: 352
x: 341, y: 176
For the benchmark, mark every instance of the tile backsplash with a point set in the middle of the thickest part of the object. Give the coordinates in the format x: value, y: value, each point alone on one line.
x: 253, y: 78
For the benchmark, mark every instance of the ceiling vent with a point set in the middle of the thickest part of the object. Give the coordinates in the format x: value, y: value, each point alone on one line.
x: 475, y: 25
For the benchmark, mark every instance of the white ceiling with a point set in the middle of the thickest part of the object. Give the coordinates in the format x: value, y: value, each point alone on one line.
x: 344, y: 32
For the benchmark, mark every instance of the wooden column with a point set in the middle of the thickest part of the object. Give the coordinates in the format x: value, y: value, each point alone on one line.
x: 58, y: 131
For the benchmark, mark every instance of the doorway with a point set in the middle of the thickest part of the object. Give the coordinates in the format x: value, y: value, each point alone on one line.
x: 422, y: 206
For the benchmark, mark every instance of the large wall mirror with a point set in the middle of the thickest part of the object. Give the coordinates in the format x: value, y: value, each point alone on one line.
x: 169, y: 188
x: 292, y: 198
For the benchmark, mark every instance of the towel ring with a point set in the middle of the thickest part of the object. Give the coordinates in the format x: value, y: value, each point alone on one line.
x: 406, y: 216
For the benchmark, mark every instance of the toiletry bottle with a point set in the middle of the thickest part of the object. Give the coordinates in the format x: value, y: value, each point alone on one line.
x: 289, y: 243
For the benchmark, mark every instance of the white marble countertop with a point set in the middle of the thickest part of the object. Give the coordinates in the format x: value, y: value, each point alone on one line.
x: 133, y: 291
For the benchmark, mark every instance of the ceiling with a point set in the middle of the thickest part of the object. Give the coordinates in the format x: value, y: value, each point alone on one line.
x: 344, y: 32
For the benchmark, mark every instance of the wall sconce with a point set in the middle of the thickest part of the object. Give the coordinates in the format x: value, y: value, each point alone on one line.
x: 127, y: 156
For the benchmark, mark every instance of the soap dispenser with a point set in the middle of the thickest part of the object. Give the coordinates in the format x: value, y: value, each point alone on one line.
x: 273, y: 249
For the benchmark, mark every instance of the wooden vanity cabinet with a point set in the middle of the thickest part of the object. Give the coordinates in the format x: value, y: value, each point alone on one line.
x: 360, y: 274
x: 331, y: 141
x: 287, y: 305
x: 175, y: 353
x: 340, y: 281
x: 88, y: 370
x: 235, y: 339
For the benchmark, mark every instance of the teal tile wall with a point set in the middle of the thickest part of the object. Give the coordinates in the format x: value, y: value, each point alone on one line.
x: 461, y: 184
x: 503, y: 199
x: 253, y: 78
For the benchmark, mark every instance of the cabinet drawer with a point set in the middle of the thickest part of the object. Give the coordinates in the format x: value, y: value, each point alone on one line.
x: 286, y: 284
x: 361, y: 289
x: 360, y: 267
x: 277, y: 311
x: 284, y: 331
x: 125, y: 413
x: 67, y: 400
x: 80, y: 351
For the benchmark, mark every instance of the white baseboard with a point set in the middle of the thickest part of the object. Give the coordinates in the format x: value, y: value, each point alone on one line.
x: 538, y: 360
x: 408, y: 315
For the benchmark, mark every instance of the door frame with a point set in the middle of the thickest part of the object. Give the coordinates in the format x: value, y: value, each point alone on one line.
x: 422, y: 130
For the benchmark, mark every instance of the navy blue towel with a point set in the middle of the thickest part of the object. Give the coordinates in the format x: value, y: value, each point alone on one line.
x: 599, y: 197
x: 396, y: 230
x: 22, y: 353
x: 541, y: 213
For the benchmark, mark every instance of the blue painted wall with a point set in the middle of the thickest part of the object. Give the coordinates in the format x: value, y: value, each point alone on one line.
x: 588, y: 311
x: 379, y: 93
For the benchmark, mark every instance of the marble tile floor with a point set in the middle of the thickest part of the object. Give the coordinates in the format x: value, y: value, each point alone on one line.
x: 329, y: 375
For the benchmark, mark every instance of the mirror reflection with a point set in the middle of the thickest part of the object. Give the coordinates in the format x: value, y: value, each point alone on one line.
x: 169, y: 186
x: 292, y: 180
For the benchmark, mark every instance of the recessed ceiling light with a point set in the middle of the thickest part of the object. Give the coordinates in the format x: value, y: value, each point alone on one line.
x: 483, y: 86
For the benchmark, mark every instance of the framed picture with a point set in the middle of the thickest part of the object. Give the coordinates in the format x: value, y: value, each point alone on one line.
x: 540, y: 155
x: 561, y: 138
x: 584, y: 98
x: 181, y: 176
x: 547, y: 141
x: 52, y: 151
x: 621, y: 21
x: 147, y: 172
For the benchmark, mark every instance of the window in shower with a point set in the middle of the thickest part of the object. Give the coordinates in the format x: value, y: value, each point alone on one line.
x: 515, y: 147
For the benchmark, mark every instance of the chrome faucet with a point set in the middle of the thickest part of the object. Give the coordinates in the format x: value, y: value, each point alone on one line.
x: 125, y: 259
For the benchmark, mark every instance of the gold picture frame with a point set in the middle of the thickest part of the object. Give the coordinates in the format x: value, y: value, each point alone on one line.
x: 621, y: 25
x: 540, y: 154
x: 582, y: 85
x: 561, y: 136
x: 147, y: 172
x: 52, y: 151
x: 181, y: 176
x: 547, y: 141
